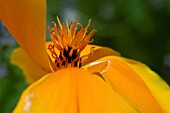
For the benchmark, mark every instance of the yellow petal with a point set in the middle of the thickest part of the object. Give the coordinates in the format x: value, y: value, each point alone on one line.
x: 26, y: 21
x: 72, y: 90
x: 30, y: 69
x: 129, y: 84
x: 159, y: 88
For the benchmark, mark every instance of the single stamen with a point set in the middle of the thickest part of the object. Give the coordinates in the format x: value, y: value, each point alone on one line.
x: 70, y: 42
x: 59, y: 23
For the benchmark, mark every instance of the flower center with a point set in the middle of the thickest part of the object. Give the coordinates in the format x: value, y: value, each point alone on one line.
x: 70, y: 42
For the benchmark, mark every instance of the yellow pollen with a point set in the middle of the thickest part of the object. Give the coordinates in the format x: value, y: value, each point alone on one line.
x: 70, y: 42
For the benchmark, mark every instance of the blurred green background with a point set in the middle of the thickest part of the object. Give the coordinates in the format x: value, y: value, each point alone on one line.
x: 138, y: 29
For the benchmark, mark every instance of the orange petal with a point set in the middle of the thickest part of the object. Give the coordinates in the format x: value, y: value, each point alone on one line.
x: 31, y: 70
x: 72, y: 90
x: 127, y: 83
x: 26, y: 21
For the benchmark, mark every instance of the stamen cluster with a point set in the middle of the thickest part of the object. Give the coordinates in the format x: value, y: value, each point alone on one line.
x: 70, y: 42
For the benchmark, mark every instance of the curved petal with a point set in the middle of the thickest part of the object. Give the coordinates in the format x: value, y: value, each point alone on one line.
x: 72, y: 90
x: 26, y: 21
x: 31, y: 70
x: 159, y: 88
x: 130, y: 85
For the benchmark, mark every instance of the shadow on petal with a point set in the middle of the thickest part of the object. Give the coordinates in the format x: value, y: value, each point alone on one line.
x: 31, y: 70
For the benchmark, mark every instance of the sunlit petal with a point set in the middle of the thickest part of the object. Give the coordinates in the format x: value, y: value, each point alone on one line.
x: 26, y: 21
x: 129, y: 84
x: 159, y: 88
x: 72, y: 90
x: 30, y: 69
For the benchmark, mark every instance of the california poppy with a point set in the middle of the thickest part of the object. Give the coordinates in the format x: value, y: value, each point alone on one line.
x: 68, y: 75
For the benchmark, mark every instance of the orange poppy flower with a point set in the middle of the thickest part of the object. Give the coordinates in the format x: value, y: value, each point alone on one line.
x: 68, y: 75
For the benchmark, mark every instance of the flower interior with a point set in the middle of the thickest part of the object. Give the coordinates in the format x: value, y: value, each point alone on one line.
x: 70, y: 41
